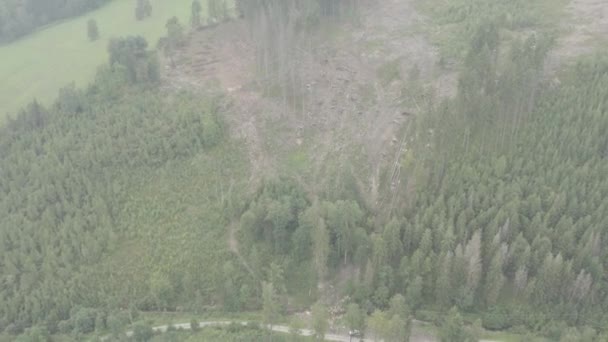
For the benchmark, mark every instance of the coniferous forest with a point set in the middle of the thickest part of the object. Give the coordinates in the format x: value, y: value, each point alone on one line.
x: 123, y: 198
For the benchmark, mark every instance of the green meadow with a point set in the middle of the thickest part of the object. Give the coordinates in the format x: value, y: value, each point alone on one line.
x: 38, y: 65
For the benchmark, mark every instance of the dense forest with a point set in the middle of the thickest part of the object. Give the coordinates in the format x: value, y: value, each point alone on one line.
x: 507, y: 213
x: 20, y: 17
x: 118, y: 198
x: 66, y: 172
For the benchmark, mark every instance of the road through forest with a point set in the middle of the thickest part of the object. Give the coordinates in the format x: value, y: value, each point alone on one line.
x: 275, y: 328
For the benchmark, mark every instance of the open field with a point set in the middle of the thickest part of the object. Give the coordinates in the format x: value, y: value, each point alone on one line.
x: 39, y: 64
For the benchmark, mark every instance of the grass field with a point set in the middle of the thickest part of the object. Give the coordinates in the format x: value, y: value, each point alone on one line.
x: 38, y: 65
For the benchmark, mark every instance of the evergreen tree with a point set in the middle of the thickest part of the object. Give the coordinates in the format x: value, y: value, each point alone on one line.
x: 320, y: 320
x: 355, y: 317
x: 92, y: 30
x: 453, y: 329
x: 494, y: 280
x: 195, y: 16
x: 270, y: 307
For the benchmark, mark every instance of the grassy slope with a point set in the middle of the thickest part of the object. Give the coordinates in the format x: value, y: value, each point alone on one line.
x: 41, y: 63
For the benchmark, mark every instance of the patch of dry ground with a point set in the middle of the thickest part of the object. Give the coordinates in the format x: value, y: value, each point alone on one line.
x: 587, y: 24
x: 350, y: 110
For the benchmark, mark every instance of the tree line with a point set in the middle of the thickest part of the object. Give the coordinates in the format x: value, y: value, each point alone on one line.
x: 20, y: 17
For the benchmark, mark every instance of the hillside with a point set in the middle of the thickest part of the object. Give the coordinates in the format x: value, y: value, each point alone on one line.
x: 39, y: 64
x: 414, y: 170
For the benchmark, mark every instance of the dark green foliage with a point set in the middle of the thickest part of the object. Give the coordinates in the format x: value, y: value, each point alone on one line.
x: 355, y: 317
x: 320, y: 320
x: 65, y: 174
x: 174, y: 39
x: 512, y: 204
x: 453, y: 329
x: 131, y: 53
x: 20, y: 17
x: 310, y: 238
x: 142, y: 332
x: 194, y: 324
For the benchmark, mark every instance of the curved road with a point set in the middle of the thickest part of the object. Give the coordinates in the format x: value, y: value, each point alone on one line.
x: 276, y: 328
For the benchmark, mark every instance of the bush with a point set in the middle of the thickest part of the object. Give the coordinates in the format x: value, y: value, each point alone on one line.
x: 234, y: 327
x: 65, y: 327
x: 14, y: 328
x: 142, y: 332
x: 254, y: 325
x: 194, y: 325
x: 116, y: 323
x: 497, y: 318
x: 84, y: 321
x: 35, y: 334
x: 554, y: 330
x: 429, y: 316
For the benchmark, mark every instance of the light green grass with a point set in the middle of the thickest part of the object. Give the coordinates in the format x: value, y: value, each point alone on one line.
x: 38, y: 65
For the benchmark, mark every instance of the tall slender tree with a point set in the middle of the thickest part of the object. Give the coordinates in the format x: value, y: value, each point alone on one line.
x: 92, y: 30
x: 195, y: 15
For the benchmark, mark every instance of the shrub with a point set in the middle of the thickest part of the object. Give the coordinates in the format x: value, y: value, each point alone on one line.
x: 194, y: 325
x: 142, y: 332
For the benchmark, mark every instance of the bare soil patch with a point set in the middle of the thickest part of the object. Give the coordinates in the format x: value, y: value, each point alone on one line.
x: 587, y: 25
x: 352, y: 115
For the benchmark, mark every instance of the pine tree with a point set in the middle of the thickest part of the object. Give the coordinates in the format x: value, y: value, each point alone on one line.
x: 195, y: 16
x: 355, y: 317
x: 270, y: 307
x: 453, y: 329
x: 494, y: 280
x: 320, y: 320
x: 92, y: 30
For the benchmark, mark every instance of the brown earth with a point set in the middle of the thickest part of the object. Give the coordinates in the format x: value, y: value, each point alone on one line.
x: 585, y: 26
x: 351, y: 117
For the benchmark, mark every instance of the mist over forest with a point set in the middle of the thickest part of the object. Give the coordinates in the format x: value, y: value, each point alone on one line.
x: 298, y: 170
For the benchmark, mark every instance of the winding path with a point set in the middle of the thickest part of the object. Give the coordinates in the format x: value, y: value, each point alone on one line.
x: 275, y: 328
